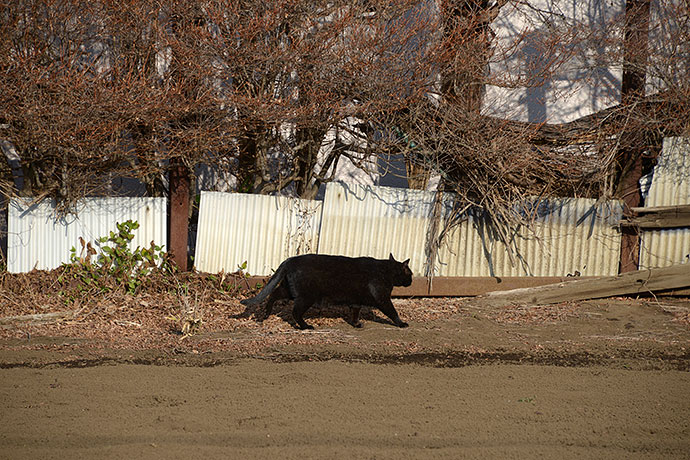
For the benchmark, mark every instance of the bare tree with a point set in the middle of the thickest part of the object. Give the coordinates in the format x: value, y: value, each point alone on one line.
x: 252, y: 86
x: 90, y: 93
x: 301, y: 69
x: 92, y: 90
x: 492, y: 160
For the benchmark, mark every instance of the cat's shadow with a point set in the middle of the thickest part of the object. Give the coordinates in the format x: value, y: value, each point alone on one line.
x: 283, y: 310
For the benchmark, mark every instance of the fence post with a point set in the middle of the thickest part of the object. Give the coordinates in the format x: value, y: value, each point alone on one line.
x: 178, y: 212
x: 632, y: 88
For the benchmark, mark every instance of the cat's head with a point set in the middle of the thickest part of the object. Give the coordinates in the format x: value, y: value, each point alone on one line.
x: 402, y: 275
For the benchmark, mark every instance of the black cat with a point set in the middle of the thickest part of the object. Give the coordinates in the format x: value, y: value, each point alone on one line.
x: 313, y: 279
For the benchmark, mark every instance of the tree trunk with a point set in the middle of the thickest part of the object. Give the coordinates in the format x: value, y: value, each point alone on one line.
x: 630, y: 157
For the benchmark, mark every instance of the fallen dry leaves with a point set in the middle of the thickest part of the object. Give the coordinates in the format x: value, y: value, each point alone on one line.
x: 198, y: 313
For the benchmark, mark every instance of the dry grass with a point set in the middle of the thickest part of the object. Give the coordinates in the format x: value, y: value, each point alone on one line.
x: 198, y: 313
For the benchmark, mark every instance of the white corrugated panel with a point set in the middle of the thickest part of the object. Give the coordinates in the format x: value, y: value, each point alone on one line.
x: 360, y: 220
x: 38, y: 238
x: 670, y: 186
x: 261, y: 230
x: 571, y: 235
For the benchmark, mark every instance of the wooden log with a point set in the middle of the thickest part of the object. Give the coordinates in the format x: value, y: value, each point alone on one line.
x: 636, y: 282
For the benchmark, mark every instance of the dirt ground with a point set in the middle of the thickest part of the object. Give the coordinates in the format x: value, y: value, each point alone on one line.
x: 117, y: 379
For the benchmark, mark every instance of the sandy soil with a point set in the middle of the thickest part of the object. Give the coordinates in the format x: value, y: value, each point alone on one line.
x: 598, y: 379
x: 335, y: 409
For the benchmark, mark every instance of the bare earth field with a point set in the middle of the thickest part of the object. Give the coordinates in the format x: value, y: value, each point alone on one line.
x: 117, y: 379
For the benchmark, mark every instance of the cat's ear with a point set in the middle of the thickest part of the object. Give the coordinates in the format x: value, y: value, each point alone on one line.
x: 390, y: 256
x: 406, y: 262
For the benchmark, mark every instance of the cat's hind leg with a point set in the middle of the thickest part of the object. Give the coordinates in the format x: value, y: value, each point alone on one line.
x: 298, y: 310
x: 279, y: 293
x: 354, y: 319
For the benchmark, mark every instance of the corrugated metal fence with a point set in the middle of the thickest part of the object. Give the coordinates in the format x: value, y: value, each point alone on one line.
x: 260, y: 230
x: 38, y: 238
x: 571, y: 235
x: 670, y: 186
x: 374, y: 221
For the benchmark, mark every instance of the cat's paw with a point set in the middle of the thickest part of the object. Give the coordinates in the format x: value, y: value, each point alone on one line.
x: 402, y: 324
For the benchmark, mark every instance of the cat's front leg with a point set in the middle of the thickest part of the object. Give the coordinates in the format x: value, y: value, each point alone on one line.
x: 386, y: 306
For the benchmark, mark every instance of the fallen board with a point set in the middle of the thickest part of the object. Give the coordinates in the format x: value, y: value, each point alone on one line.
x: 660, y: 217
x: 450, y: 286
x: 637, y: 282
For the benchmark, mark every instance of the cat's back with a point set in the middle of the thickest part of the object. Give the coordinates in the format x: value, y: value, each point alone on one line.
x: 329, y: 265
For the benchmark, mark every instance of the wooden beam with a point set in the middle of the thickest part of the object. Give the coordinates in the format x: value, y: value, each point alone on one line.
x: 456, y: 286
x: 635, y: 50
x: 659, y: 217
x: 630, y: 248
x: 660, y: 209
x: 178, y: 213
x: 635, y: 53
x: 464, y: 286
x: 637, y: 282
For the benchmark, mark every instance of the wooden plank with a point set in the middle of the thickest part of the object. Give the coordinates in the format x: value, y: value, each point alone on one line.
x: 660, y: 217
x: 178, y: 213
x: 637, y: 282
x: 682, y: 292
x: 464, y: 286
x: 456, y: 286
x: 660, y: 209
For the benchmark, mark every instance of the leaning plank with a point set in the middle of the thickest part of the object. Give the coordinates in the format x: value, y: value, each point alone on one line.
x: 676, y: 208
x: 660, y: 217
x: 641, y: 281
x: 450, y: 286
x: 464, y: 286
x: 37, y: 318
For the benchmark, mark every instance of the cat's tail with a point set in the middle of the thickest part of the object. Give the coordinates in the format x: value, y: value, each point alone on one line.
x: 269, y: 288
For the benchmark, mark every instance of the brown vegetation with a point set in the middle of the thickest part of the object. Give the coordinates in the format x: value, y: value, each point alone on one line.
x: 93, y: 90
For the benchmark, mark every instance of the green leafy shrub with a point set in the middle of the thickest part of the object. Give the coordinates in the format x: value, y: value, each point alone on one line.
x: 115, y: 265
